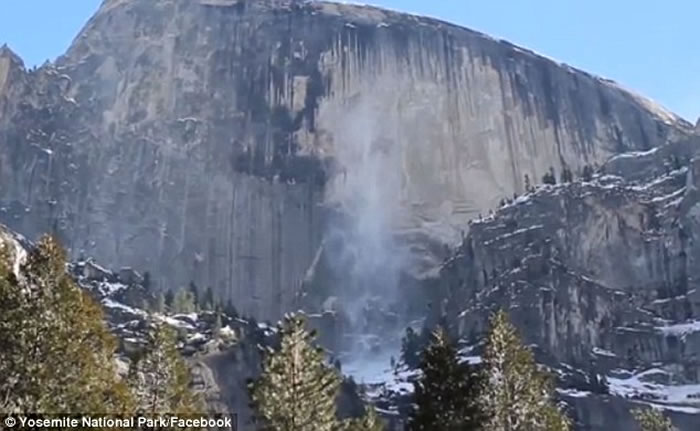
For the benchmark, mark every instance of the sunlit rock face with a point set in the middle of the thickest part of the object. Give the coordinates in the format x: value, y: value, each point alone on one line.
x: 202, y: 140
x: 601, y: 277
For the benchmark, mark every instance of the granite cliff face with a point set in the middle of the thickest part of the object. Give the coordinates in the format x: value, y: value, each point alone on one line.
x: 275, y: 149
x: 204, y: 140
x: 601, y: 275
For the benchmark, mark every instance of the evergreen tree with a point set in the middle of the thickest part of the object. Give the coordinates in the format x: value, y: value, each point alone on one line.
x: 566, y: 175
x: 587, y: 173
x: 209, y: 300
x: 169, y: 298
x: 676, y: 162
x: 370, y: 421
x: 297, y: 389
x: 528, y: 184
x: 598, y: 383
x: 550, y: 177
x: 184, y: 301
x: 147, y: 305
x: 515, y: 395
x: 146, y: 281
x: 653, y: 420
x: 56, y: 354
x: 160, y: 303
x: 410, y: 348
x: 445, y: 395
x: 160, y: 379
x: 230, y: 309
x: 217, y: 325
x: 194, y: 291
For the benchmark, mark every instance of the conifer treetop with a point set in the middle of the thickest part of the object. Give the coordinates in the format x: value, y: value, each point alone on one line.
x: 56, y: 353
x: 445, y: 393
x: 516, y: 394
x: 653, y: 420
x: 297, y: 389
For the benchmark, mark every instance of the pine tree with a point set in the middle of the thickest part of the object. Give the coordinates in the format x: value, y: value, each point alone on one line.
x: 160, y: 303
x: 550, y: 177
x: 194, y: 290
x: 216, y: 331
x: 676, y: 162
x: 184, y: 301
x: 230, y: 309
x: 169, y: 298
x: 566, y: 175
x: 598, y: 383
x: 653, y: 420
x: 297, y: 389
x: 515, y: 395
x: 370, y: 421
x: 528, y: 184
x: 146, y: 281
x: 56, y: 354
x: 445, y: 395
x: 160, y: 379
x: 587, y: 173
x: 209, y: 300
x: 410, y: 348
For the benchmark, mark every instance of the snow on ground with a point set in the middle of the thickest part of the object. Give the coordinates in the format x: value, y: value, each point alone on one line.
x: 196, y: 337
x: 20, y: 258
x: 376, y: 372
x: 189, y: 316
x: 674, y: 298
x: 106, y: 289
x: 227, y: 332
x: 14, y: 242
x: 575, y: 393
x: 109, y: 303
x: 635, y: 387
x: 514, y: 233
x: 680, y: 329
x: 372, y: 369
x: 634, y: 154
x: 660, y: 180
x: 672, y: 195
x: 466, y: 355
x: 472, y: 360
x: 177, y: 323
x: 603, y: 352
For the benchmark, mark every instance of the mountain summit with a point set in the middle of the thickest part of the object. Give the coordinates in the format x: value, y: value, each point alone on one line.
x: 374, y: 168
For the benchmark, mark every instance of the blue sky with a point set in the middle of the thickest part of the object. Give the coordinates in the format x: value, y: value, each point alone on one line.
x: 652, y: 47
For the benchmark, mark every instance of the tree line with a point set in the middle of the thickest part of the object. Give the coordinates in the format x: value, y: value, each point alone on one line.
x: 190, y: 299
x: 508, y: 391
x: 550, y: 178
x: 58, y: 356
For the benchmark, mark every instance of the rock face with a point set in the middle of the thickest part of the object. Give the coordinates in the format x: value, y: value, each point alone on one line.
x: 201, y: 140
x: 602, y: 276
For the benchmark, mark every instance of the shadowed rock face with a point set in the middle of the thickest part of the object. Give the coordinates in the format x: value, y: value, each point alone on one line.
x: 200, y: 140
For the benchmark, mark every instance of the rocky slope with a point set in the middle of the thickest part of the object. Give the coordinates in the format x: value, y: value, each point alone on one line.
x: 223, y: 351
x: 601, y: 276
x: 203, y: 140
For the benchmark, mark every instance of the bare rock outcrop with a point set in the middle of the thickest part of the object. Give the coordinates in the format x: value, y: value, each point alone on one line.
x: 202, y: 140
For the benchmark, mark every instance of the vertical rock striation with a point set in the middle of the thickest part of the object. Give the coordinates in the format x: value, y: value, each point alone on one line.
x: 201, y: 140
